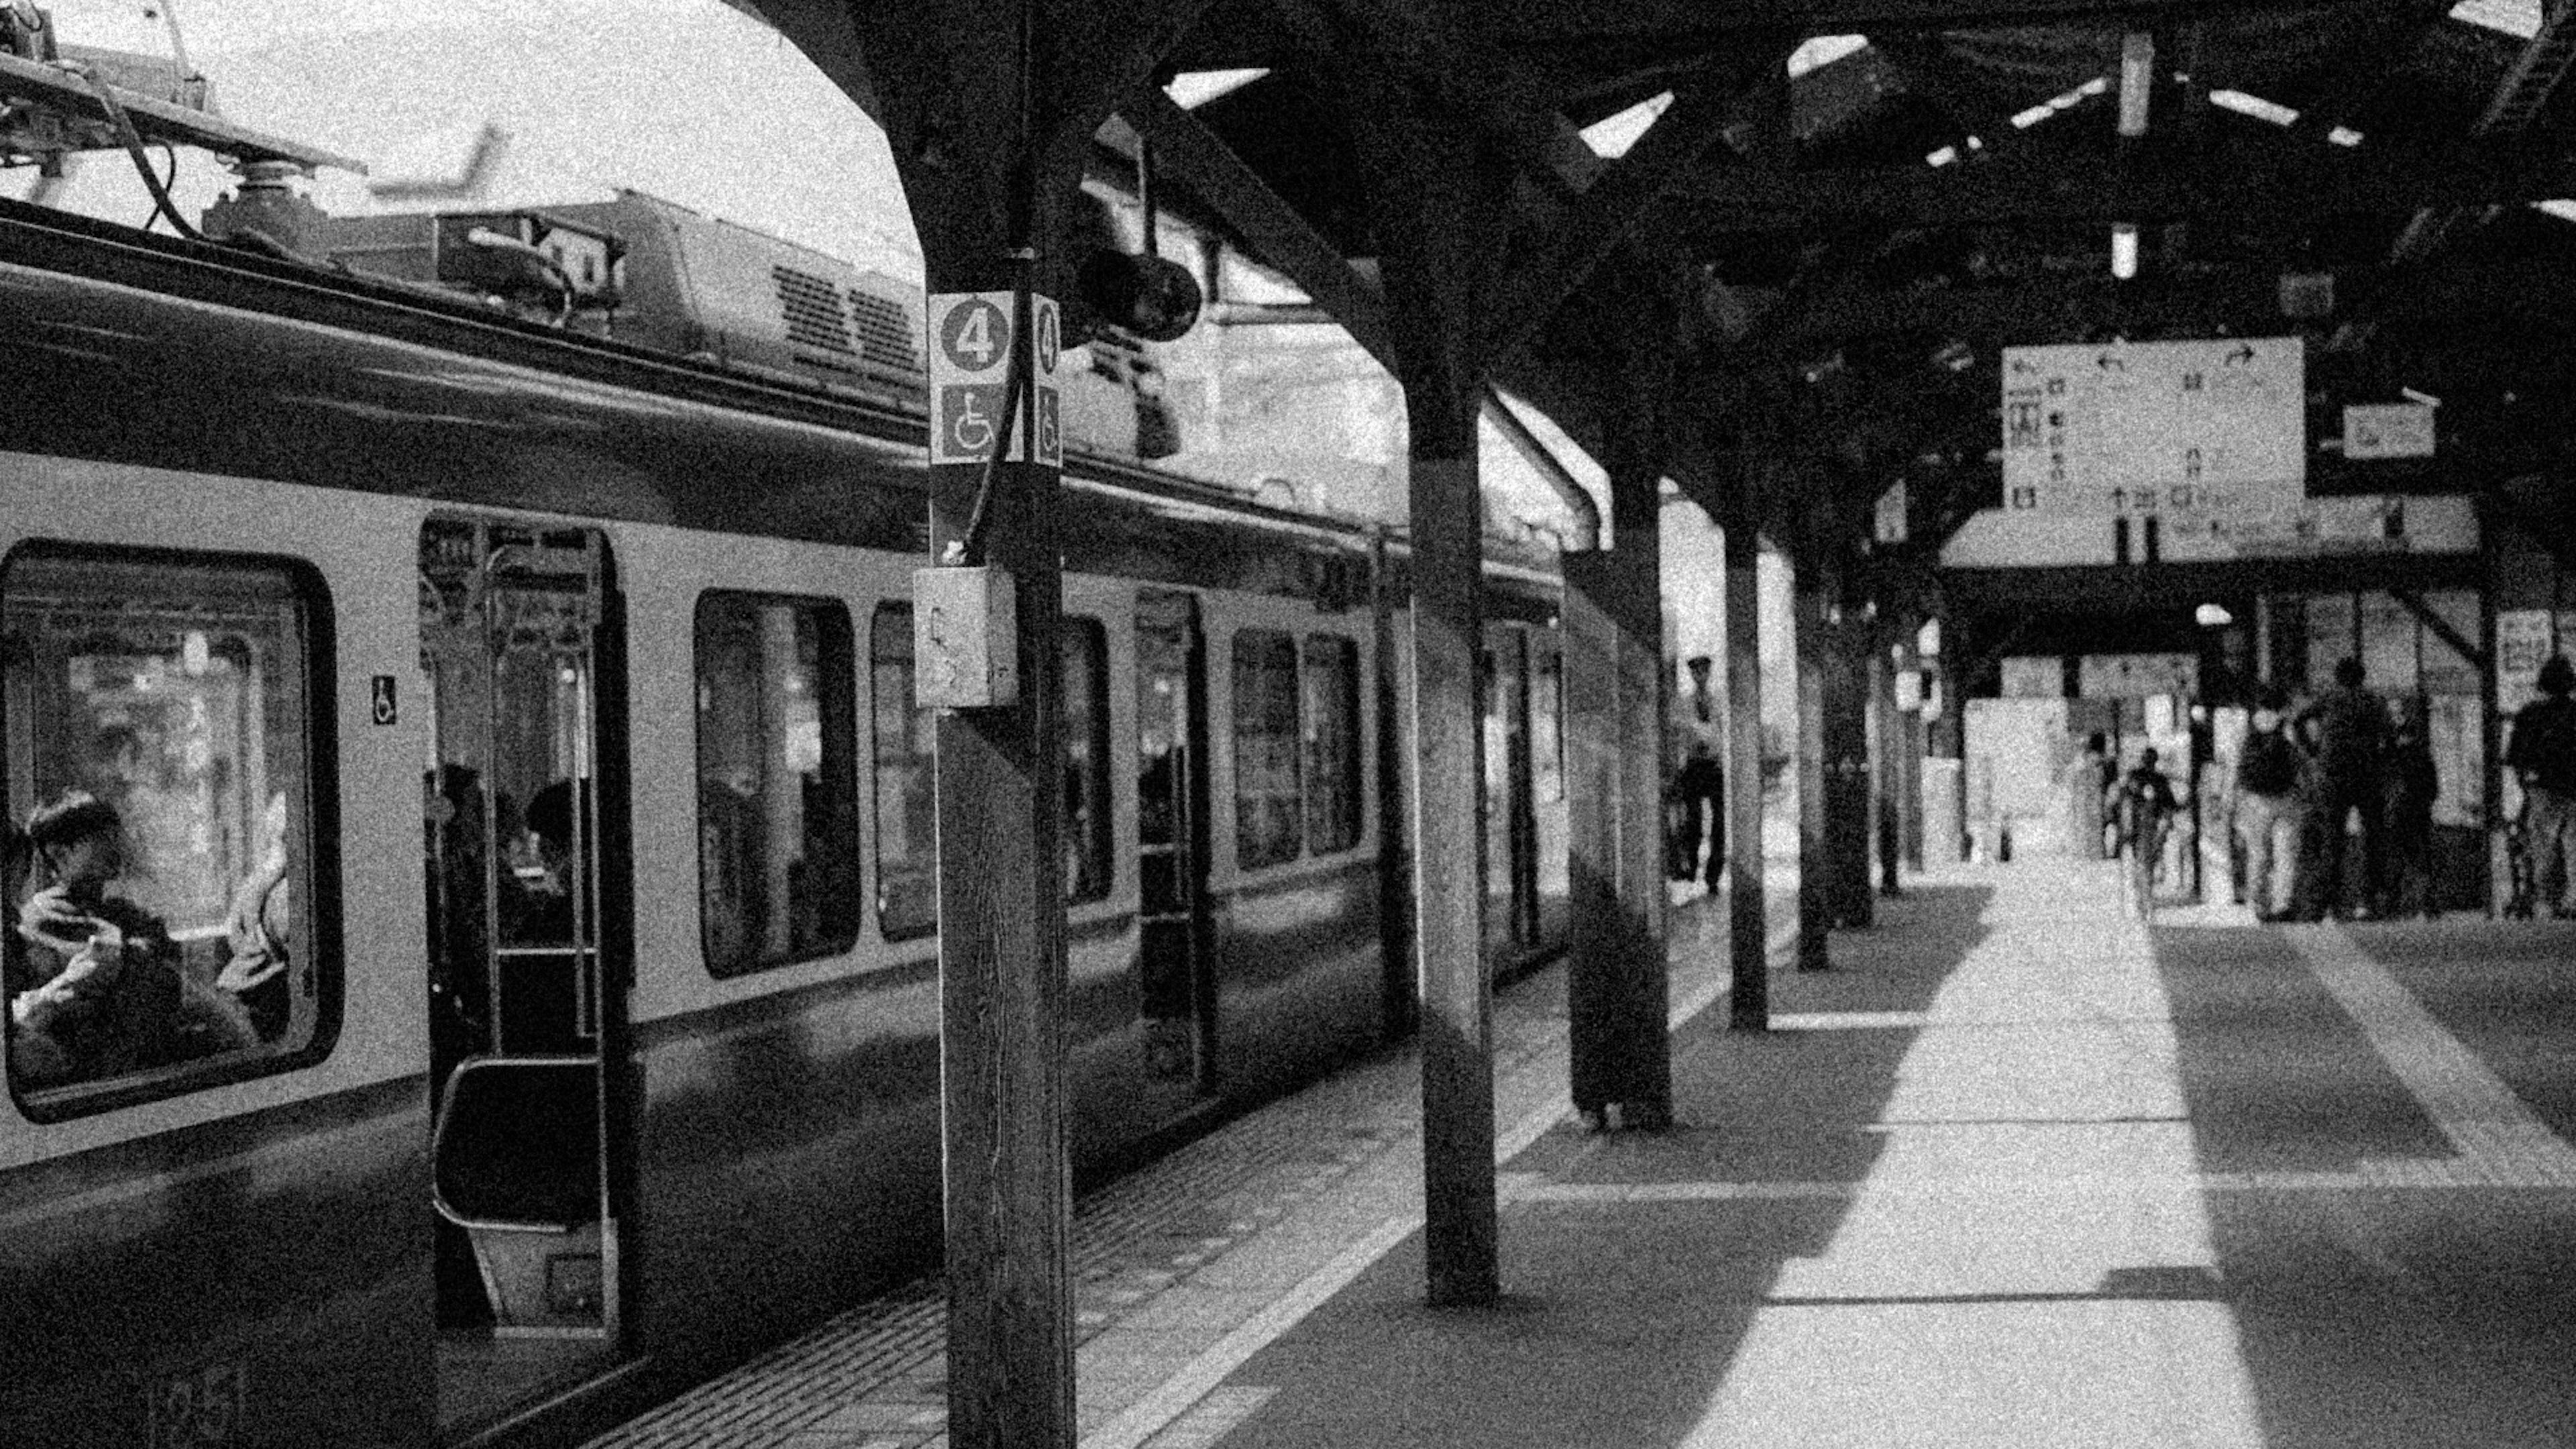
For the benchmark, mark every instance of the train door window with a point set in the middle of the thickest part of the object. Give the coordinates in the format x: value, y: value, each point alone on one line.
x: 1269, y: 804
x: 166, y: 716
x: 1174, y: 993
x: 906, y: 743
x: 1085, y: 646
x: 778, y: 866
x: 1332, y: 738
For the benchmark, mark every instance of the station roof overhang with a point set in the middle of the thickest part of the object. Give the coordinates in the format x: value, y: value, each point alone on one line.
x: 1844, y: 209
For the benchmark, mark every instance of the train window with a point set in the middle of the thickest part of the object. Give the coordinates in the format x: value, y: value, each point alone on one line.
x: 906, y: 780
x: 165, y: 716
x: 1269, y: 805
x: 1086, y: 759
x: 1332, y: 734
x: 778, y: 857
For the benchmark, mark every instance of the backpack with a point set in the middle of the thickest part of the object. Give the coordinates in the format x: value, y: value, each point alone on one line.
x: 2544, y: 743
x: 2269, y: 766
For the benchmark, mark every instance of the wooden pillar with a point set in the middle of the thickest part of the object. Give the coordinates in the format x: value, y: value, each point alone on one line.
x: 1748, y: 921
x: 1002, y: 977
x: 990, y: 110
x: 1616, y: 986
x: 1438, y: 196
x: 1815, y: 850
x: 1844, y: 735
x: 1886, y: 825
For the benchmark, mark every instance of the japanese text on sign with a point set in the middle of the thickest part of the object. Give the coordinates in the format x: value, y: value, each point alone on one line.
x: 972, y: 339
x: 2152, y: 427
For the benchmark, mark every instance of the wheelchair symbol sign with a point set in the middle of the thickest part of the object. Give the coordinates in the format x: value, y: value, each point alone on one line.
x: 971, y: 341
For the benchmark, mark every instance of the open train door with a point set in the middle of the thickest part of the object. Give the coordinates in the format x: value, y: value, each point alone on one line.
x: 526, y: 849
x: 1175, y: 994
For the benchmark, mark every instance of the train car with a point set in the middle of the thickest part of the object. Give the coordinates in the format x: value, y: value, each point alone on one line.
x: 516, y: 997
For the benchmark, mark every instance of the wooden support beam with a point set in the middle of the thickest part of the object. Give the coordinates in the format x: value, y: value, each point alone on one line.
x: 1439, y: 196
x: 1748, y: 918
x: 1808, y: 595
x: 1612, y: 208
x: 1271, y: 228
x: 990, y: 107
x: 2257, y: 179
x: 1617, y: 992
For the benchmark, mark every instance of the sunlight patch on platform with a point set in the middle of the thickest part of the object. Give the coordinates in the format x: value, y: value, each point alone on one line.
x: 2029, y: 1259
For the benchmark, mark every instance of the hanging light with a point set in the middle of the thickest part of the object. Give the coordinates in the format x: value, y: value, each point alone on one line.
x: 2124, y: 250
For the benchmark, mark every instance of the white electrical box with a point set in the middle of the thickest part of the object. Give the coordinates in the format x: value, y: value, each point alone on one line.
x: 965, y: 639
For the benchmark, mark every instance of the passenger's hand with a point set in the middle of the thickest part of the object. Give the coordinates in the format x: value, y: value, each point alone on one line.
x: 53, y: 918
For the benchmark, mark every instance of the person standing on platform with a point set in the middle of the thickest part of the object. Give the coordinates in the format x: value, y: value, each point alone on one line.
x: 2090, y: 797
x: 2351, y: 727
x: 2146, y: 811
x: 2268, y: 811
x: 2413, y: 780
x: 1699, y: 779
x: 2542, y: 755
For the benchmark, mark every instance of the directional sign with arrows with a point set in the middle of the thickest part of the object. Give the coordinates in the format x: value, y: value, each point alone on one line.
x: 2204, y: 427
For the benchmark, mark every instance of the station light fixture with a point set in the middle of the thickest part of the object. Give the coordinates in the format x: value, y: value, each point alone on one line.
x: 2137, y: 79
x: 2124, y: 249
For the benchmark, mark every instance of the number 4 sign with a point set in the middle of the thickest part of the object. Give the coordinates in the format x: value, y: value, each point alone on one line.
x: 970, y: 354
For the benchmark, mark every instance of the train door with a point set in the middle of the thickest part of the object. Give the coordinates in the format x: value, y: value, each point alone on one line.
x: 523, y: 830
x: 1172, y: 844
x: 1511, y: 845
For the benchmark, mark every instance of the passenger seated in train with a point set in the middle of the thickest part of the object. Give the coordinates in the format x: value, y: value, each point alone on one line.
x: 258, y: 929
x: 95, y: 985
x: 536, y: 899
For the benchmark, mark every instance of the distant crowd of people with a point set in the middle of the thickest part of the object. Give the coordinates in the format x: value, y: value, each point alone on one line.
x: 2332, y: 802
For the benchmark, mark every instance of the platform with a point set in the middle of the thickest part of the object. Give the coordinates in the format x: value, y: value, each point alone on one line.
x: 2019, y: 1170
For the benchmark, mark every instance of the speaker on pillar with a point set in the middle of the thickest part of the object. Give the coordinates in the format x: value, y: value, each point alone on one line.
x: 1153, y: 297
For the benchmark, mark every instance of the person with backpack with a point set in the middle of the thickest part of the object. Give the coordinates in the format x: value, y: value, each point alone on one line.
x: 2350, y: 725
x: 2269, y: 815
x: 2542, y: 755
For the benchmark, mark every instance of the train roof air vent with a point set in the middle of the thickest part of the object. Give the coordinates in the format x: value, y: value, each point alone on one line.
x: 885, y: 331
x: 811, y: 307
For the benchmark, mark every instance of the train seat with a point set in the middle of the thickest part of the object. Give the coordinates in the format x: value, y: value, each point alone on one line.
x: 515, y: 1163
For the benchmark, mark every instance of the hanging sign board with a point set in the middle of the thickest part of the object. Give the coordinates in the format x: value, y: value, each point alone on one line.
x: 2387, y: 430
x: 971, y: 338
x: 2146, y: 428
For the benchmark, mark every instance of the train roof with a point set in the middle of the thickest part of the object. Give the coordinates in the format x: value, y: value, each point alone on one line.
x: 133, y: 348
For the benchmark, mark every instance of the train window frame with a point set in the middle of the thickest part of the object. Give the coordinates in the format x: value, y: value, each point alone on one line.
x: 908, y: 924
x: 1090, y: 846
x: 1267, y: 749
x: 836, y: 892
x: 302, y: 705
x: 1334, y: 809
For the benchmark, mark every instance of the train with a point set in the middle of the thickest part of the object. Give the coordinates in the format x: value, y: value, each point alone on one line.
x: 511, y: 726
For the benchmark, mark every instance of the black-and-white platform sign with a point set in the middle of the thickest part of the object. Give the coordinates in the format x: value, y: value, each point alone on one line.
x: 971, y: 338
x: 2201, y: 427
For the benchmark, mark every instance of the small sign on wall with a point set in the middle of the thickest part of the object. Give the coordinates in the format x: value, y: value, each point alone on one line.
x: 2387, y: 430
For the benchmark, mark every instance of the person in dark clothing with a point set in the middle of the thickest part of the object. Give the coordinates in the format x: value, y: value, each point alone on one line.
x: 2542, y: 755
x: 2147, y: 806
x: 2412, y: 782
x: 94, y: 983
x: 2269, y: 812
x: 2350, y: 726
